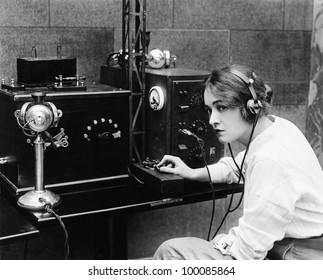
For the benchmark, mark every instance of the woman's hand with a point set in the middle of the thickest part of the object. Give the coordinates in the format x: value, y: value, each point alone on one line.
x: 174, y: 165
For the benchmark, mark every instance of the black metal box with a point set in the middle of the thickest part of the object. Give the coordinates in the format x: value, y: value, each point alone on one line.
x: 182, y: 109
x: 43, y: 70
x: 89, y: 118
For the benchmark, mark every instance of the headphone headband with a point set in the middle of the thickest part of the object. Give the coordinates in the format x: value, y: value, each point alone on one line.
x: 248, y: 81
x: 253, y: 106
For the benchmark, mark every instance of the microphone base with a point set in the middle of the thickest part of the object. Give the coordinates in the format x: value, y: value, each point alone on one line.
x: 37, y: 200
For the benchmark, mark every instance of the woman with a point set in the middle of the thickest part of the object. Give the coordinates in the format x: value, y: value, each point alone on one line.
x: 283, y: 181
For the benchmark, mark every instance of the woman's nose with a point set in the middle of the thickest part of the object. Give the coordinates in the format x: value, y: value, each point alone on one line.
x: 214, y: 118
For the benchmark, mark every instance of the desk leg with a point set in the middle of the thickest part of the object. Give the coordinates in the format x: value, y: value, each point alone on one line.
x: 111, y: 238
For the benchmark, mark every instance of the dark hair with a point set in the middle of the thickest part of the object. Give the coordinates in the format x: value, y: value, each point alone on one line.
x: 235, y: 92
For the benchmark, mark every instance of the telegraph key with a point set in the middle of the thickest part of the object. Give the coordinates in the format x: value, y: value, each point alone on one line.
x: 69, y: 83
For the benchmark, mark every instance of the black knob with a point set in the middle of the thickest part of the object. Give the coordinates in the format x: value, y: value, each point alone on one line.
x: 105, y: 138
x: 198, y: 127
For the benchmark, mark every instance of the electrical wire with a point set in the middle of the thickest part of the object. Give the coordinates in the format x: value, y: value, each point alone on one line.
x: 134, y: 176
x: 25, y: 128
x: 201, y: 144
x: 49, y: 209
x: 229, y: 210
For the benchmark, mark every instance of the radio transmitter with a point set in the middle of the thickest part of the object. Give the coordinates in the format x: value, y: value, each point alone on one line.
x: 92, y: 133
x: 175, y: 104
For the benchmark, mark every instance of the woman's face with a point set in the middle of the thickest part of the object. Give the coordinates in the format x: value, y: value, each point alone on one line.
x: 227, y: 122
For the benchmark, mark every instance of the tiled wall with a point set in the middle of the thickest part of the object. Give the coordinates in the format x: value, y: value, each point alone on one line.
x: 83, y: 29
x: 272, y: 36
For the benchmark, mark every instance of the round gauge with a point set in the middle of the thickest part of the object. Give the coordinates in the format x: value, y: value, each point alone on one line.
x: 156, y: 98
x: 104, y: 131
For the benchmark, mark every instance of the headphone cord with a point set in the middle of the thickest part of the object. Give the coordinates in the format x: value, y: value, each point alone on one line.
x: 201, y: 144
x: 229, y: 210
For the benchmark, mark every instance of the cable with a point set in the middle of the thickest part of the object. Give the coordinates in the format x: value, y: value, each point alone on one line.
x: 229, y: 210
x: 48, y: 208
x: 235, y: 163
x: 201, y: 144
x: 25, y: 128
x: 134, y: 176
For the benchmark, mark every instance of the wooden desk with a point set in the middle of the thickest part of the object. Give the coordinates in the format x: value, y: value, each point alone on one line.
x: 130, y: 197
x: 108, y: 207
x: 14, y: 226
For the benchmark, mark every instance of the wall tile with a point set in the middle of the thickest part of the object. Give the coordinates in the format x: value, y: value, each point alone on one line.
x: 103, y: 13
x: 84, y: 13
x: 294, y: 113
x: 298, y: 15
x: 196, y: 49
x: 159, y: 13
x: 278, y: 56
x: 89, y: 46
x: 234, y: 14
x: 25, y: 13
x: 286, y: 93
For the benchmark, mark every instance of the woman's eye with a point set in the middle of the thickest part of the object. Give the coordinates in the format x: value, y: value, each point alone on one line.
x: 222, y: 108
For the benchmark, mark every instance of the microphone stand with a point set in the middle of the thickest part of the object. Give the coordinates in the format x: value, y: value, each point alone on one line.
x: 38, y: 198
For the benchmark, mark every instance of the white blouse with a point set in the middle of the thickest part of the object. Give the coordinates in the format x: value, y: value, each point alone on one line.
x: 283, y: 191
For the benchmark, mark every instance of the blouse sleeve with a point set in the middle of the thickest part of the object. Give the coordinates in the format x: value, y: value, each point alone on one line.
x: 270, y: 199
x: 225, y: 170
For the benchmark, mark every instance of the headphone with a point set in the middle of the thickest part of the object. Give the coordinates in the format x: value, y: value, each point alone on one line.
x: 158, y: 59
x: 253, y: 105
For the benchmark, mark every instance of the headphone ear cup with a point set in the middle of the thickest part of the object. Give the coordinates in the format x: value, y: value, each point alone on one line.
x: 253, y: 106
x: 167, y: 58
x: 156, y: 59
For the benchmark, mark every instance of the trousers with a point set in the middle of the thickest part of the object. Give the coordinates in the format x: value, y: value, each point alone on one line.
x: 190, y: 248
x: 297, y: 249
x: 193, y: 248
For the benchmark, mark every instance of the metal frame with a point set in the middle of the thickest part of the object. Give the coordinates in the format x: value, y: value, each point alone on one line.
x: 133, y: 70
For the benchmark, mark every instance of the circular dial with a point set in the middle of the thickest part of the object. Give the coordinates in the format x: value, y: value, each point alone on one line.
x: 196, y: 102
x: 106, y: 131
x: 198, y: 127
x: 156, y: 98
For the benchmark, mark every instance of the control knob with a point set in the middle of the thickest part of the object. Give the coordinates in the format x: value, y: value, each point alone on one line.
x: 107, y: 137
x: 196, y: 102
x: 195, y: 154
x: 198, y: 127
x: 104, y: 131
